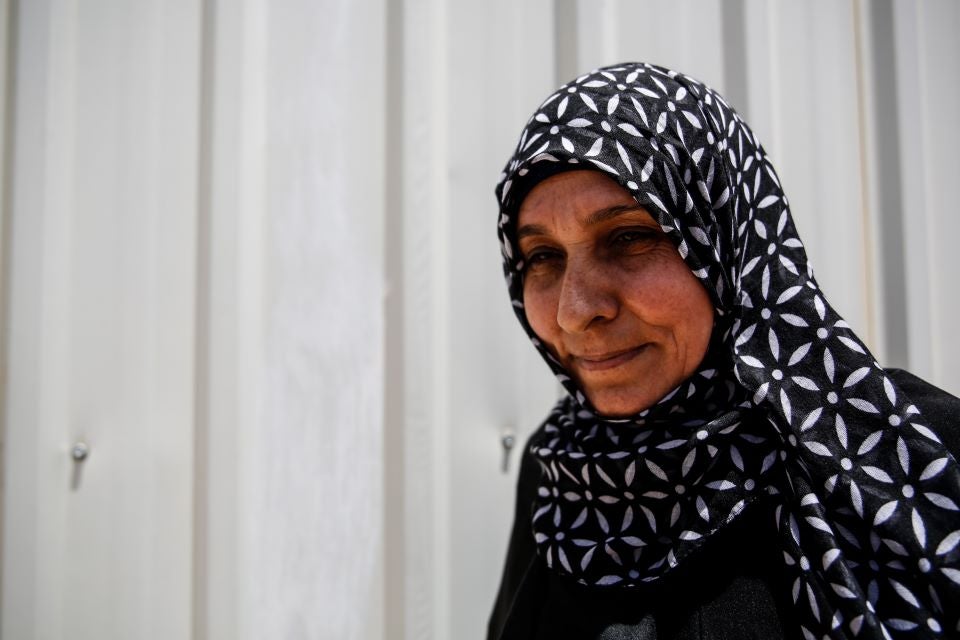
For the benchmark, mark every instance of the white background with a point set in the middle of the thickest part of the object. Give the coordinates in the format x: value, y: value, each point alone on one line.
x: 248, y: 256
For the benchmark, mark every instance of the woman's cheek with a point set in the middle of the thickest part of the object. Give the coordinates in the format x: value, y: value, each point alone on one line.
x: 539, y: 309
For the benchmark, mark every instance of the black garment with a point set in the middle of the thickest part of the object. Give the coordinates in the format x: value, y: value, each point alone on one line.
x: 736, y: 589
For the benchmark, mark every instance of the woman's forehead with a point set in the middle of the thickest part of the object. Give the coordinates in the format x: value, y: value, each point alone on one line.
x: 582, y: 198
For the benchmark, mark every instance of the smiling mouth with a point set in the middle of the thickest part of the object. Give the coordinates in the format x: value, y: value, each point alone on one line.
x: 604, y: 361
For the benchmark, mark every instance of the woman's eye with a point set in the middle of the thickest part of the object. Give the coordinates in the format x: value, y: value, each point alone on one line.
x: 630, y: 237
x: 541, y: 258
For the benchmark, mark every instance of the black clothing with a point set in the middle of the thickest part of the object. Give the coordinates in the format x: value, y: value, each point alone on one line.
x: 735, y: 589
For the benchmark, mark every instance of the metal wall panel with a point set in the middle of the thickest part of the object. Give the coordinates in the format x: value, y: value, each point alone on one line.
x: 102, y: 288
x: 295, y: 310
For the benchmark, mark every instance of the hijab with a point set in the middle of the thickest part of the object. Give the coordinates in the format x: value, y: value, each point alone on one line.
x: 788, y: 405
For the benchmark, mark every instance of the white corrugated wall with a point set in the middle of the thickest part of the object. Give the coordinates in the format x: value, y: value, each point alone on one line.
x: 248, y: 258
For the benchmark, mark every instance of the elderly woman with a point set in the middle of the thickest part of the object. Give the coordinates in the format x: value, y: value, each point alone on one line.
x: 730, y: 461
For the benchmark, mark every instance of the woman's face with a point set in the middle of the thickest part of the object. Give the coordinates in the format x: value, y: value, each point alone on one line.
x: 608, y: 293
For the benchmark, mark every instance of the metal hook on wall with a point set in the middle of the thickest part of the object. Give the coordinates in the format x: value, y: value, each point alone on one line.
x: 80, y: 451
x: 508, y: 440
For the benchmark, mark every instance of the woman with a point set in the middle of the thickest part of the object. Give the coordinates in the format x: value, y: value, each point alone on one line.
x: 730, y: 461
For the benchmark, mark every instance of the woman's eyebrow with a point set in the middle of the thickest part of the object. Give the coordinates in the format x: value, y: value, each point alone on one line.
x: 598, y: 216
x: 602, y: 215
x: 531, y: 230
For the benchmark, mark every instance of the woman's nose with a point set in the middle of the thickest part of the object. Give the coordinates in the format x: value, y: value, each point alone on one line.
x: 586, y: 298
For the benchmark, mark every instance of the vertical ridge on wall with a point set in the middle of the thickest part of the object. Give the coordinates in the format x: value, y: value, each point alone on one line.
x: 202, y: 335
x: 396, y: 502
x: 425, y: 295
x: 566, y: 49
x: 881, y: 167
x: 910, y: 177
x: 734, y: 42
x: 862, y: 63
x: 761, y: 99
x: 7, y: 65
x: 234, y: 285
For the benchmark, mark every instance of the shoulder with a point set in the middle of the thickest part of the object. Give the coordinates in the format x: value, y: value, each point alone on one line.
x: 940, y: 410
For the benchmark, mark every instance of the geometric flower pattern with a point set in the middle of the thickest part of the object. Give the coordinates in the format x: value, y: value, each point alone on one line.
x: 788, y: 404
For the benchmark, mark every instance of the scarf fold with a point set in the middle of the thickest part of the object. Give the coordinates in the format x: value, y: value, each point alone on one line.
x: 788, y: 403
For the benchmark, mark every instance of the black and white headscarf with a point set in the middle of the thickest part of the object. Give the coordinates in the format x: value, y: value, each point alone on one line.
x: 788, y: 404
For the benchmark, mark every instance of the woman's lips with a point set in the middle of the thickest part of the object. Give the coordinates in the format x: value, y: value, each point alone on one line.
x: 604, y: 361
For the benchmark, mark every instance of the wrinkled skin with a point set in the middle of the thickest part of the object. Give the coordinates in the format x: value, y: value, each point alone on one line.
x: 608, y: 293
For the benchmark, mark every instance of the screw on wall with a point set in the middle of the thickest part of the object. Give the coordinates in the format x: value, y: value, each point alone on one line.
x: 507, y: 441
x: 79, y: 452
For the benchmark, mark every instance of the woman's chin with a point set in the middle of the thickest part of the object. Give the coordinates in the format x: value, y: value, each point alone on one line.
x: 620, y: 403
